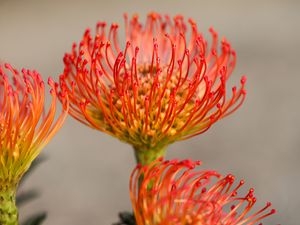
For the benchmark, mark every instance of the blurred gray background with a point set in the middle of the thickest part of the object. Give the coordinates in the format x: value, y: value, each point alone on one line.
x: 85, y: 179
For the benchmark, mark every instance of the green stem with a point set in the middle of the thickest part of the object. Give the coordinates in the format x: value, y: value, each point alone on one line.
x: 145, y: 157
x: 8, y: 209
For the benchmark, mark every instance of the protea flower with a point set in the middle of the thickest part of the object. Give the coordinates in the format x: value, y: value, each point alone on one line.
x: 163, y: 87
x: 175, y: 193
x: 25, y: 128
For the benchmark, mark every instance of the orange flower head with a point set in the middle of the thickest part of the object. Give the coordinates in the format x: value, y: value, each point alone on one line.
x: 166, y: 84
x: 175, y: 193
x: 25, y: 128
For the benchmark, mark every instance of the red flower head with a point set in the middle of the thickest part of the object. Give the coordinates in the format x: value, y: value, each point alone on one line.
x: 25, y: 128
x: 174, y: 193
x: 167, y: 84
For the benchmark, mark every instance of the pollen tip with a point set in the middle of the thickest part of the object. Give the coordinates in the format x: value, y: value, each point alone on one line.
x: 230, y: 178
x: 50, y: 81
x: 198, y: 184
x: 114, y: 26
x: 100, y: 24
x: 212, y: 30
x: 87, y: 31
x: 160, y: 159
x: 198, y: 162
x: 173, y: 188
x: 139, y: 165
x: 23, y: 70
x: 174, y: 161
x: 243, y: 79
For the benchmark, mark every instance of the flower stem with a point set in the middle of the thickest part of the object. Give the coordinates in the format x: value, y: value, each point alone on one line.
x: 8, y: 209
x: 145, y: 157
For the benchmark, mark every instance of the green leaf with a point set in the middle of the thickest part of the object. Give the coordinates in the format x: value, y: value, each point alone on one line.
x: 36, y: 219
x: 34, y: 164
x: 126, y: 218
x: 24, y: 197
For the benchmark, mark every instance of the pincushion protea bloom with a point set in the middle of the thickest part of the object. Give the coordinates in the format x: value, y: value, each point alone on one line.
x: 161, y: 88
x: 175, y: 193
x: 25, y: 128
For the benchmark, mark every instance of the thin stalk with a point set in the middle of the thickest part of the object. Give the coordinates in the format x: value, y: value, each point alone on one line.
x: 8, y: 209
x: 145, y: 157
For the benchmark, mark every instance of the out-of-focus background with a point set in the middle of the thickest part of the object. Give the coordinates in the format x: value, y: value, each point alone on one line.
x: 85, y: 179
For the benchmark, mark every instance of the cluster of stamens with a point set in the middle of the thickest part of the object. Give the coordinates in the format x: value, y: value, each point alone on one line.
x: 159, y: 89
x: 25, y: 128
